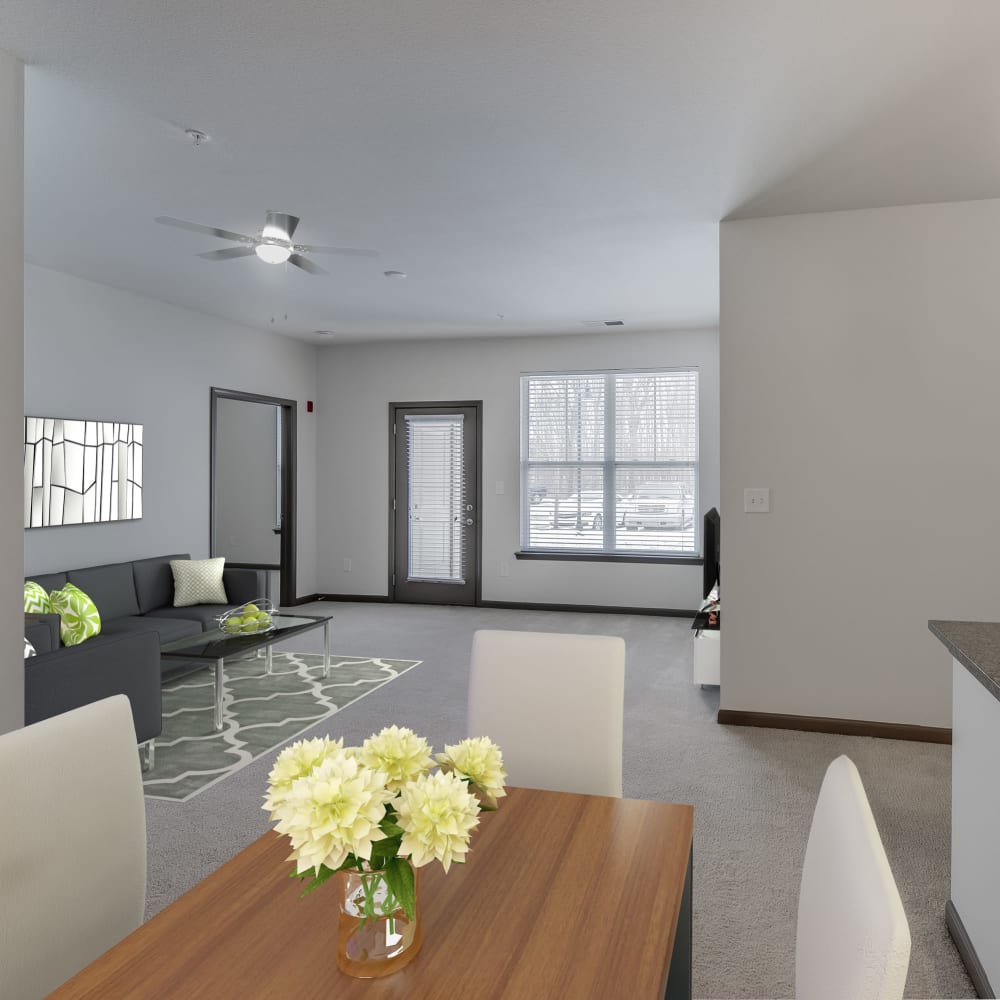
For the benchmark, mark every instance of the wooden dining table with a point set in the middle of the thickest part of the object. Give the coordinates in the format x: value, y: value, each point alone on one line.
x: 562, y: 895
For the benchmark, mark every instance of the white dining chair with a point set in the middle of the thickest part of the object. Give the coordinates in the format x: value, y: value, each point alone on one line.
x: 73, y: 850
x: 852, y: 938
x: 554, y: 705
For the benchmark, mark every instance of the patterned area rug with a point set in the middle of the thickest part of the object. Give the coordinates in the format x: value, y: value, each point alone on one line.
x: 260, y: 711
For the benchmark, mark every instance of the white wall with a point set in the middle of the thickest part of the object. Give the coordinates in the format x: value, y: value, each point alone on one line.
x: 246, y: 481
x: 93, y: 351
x: 357, y: 382
x: 11, y: 388
x: 860, y: 361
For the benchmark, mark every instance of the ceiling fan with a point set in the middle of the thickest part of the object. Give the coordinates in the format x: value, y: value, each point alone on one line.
x: 274, y: 244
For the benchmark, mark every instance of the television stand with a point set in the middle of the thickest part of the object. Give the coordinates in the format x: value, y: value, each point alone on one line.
x: 706, y: 657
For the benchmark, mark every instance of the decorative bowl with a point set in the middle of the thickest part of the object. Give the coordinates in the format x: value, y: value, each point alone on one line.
x: 252, y: 618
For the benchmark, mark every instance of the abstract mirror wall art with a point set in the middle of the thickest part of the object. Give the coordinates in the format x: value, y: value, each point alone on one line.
x: 81, y: 471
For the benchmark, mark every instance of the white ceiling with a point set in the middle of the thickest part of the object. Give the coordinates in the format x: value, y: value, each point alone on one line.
x: 544, y: 161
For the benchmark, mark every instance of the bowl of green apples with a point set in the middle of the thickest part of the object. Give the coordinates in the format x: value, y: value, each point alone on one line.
x: 253, y: 618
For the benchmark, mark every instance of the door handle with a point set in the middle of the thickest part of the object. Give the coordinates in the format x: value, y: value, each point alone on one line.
x: 469, y: 520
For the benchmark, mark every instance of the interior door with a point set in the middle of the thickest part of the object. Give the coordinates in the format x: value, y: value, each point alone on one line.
x: 435, y: 503
x: 252, y: 508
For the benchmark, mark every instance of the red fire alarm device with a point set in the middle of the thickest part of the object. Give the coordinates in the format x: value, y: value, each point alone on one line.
x: 309, y: 406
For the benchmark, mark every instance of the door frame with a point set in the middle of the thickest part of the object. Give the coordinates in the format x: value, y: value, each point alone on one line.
x: 477, y: 405
x: 288, y: 595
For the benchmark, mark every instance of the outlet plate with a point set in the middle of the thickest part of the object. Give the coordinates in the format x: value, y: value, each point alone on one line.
x: 347, y: 565
x: 757, y: 500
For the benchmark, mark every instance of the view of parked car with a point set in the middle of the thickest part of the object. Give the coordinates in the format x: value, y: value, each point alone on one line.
x: 659, y: 505
x: 585, y: 510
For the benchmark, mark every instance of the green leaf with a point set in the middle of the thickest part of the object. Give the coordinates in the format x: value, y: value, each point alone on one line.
x: 399, y: 878
x: 324, y: 874
x: 382, y: 850
x: 391, y: 829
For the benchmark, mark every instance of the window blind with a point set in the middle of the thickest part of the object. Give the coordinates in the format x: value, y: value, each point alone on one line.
x: 435, y: 478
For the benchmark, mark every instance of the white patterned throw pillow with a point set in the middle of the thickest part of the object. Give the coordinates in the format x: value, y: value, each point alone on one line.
x: 29, y: 650
x: 198, y: 581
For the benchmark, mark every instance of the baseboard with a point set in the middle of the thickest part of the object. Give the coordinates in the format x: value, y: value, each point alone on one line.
x: 967, y: 951
x: 841, y: 727
x: 590, y: 608
x: 512, y: 605
x: 346, y: 598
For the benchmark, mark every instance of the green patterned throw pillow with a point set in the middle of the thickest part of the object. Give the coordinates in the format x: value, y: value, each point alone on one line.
x: 78, y: 615
x: 36, y: 601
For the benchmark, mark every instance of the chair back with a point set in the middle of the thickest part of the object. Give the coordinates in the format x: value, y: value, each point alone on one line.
x: 73, y: 851
x: 554, y: 704
x: 852, y: 938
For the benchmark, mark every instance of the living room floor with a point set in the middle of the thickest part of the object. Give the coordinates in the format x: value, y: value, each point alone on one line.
x: 753, y: 789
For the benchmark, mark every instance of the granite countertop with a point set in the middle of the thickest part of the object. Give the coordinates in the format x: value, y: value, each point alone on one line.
x: 976, y: 645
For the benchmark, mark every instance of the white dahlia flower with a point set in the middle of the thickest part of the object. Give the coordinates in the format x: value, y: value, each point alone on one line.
x: 481, y: 761
x: 399, y: 753
x: 295, y: 761
x: 438, y: 814
x: 333, y: 811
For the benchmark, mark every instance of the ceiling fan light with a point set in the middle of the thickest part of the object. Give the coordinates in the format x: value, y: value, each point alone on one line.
x: 273, y: 253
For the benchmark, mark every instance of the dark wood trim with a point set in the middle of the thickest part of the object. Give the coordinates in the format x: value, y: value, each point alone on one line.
x: 841, y: 727
x: 289, y: 483
x: 594, y: 608
x: 236, y: 565
x: 967, y: 951
x: 351, y: 598
x: 609, y: 557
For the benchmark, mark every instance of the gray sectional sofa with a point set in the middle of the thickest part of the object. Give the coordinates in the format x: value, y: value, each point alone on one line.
x: 135, y: 601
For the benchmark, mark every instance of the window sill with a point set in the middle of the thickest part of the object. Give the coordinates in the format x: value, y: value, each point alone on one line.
x: 554, y: 555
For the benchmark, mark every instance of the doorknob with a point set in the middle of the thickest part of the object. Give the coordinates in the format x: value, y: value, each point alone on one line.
x: 469, y: 520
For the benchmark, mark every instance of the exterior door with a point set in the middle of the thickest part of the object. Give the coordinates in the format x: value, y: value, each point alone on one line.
x: 435, y: 503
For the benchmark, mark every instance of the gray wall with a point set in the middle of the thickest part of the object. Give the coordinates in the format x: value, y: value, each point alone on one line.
x: 357, y: 382
x: 246, y: 476
x: 859, y: 360
x: 11, y: 388
x: 93, y: 351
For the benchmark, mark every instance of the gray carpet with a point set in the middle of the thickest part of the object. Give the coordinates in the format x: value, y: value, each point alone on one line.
x: 753, y: 789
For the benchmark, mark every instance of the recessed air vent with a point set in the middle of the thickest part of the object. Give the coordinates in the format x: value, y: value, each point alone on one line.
x: 614, y: 322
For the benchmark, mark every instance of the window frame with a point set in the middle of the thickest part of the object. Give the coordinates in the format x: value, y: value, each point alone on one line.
x: 609, y: 466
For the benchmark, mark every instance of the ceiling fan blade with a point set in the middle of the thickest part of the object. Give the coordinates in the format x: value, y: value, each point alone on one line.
x: 306, y: 264
x: 282, y: 222
x: 194, y: 227
x: 228, y: 254
x: 343, y: 251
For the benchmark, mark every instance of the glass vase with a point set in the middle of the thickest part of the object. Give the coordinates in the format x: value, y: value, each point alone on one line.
x: 375, y: 937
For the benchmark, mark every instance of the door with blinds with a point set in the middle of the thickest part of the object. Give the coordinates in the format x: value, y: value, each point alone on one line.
x: 435, y: 501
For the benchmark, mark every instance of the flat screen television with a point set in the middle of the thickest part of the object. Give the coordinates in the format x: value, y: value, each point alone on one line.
x: 710, y: 543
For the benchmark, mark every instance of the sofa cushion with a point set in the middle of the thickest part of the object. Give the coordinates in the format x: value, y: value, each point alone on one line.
x: 166, y: 628
x: 36, y: 599
x: 198, y: 581
x: 43, y: 631
x: 110, y: 587
x: 203, y: 614
x: 49, y: 581
x: 154, y: 581
x: 79, y: 618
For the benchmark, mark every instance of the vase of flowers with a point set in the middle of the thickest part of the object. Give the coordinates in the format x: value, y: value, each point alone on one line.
x: 372, y: 816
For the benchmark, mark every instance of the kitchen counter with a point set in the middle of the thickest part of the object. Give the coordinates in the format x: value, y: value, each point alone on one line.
x: 971, y: 913
x: 976, y: 645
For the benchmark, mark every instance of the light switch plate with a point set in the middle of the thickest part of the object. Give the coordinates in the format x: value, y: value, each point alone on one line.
x: 757, y: 500
x: 499, y: 487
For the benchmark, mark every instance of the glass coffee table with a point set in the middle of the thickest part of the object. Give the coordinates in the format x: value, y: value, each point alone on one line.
x: 213, y: 647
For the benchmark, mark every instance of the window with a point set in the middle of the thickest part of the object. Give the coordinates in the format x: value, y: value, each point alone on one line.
x: 609, y: 462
